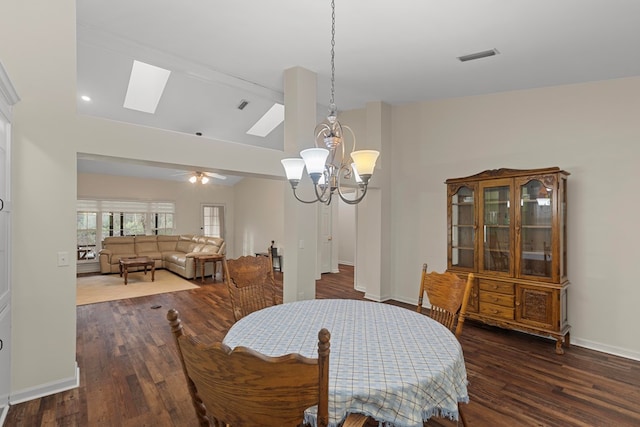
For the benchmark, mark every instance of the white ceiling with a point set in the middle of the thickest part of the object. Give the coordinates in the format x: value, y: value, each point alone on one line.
x: 223, y: 52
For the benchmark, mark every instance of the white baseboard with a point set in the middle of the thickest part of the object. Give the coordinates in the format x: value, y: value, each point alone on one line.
x: 3, y: 414
x: 46, y: 389
x: 604, y: 348
x: 346, y: 263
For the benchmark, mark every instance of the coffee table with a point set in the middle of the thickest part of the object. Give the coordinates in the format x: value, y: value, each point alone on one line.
x: 202, y: 259
x: 143, y: 261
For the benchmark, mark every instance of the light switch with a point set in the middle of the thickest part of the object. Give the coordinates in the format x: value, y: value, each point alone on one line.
x: 63, y: 259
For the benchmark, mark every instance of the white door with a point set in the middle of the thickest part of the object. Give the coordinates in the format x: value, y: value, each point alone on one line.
x: 325, y: 237
x: 8, y: 98
x: 5, y: 208
x: 5, y: 358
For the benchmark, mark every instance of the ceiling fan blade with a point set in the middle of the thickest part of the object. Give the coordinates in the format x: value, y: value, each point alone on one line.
x: 215, y: 175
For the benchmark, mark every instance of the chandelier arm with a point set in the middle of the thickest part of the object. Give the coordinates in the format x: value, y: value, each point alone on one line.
x: 347, y: 174
x: 320, y: 196
x: 356, y: 200
x: 295, y: 194
x: 353, y: 135
x: 321, y: 128
x: 342, y: 142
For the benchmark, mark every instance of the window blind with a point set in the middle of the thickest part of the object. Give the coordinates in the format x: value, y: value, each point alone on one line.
x: 87, y: 205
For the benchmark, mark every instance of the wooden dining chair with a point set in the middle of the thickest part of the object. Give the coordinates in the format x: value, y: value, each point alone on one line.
x: 448, y: 295
x: 250, y: 283
x: 242, y: 387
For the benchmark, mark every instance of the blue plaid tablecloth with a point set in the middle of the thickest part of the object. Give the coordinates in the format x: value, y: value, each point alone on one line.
x: 388, y: 362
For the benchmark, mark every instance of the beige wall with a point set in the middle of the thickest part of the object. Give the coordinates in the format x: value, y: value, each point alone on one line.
x: 590, y: 130
x: 259, y: 215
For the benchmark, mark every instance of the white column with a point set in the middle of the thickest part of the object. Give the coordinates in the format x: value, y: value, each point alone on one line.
x: 373, y: 216
x: 300, y: 219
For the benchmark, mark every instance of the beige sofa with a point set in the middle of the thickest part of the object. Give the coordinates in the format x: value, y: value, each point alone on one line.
x: 175, y: 253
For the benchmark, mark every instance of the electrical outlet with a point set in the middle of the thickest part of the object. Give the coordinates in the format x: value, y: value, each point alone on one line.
x: 63, y: 259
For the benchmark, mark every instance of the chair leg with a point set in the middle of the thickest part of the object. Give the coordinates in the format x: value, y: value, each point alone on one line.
x: 358, y: 420
x: 461, y: 416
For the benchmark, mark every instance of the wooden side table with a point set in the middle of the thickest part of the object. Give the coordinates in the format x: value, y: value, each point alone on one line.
x: 203, y: 259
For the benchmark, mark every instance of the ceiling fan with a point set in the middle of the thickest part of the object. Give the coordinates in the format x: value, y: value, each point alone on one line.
x: 203, y: 177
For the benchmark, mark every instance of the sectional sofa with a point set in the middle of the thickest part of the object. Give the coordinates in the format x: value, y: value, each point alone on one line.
x: 175, y: 252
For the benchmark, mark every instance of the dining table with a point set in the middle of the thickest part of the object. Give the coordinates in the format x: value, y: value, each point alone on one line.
x: 390, y: 363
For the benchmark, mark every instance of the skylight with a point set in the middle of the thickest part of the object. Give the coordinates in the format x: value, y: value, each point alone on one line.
x: 268, y: 122
x: 146, y: 84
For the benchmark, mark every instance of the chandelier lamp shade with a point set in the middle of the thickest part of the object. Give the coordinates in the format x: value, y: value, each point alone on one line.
x: 326, y: 164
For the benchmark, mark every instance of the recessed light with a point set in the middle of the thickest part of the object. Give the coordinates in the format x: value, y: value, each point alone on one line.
x: 85, y: 98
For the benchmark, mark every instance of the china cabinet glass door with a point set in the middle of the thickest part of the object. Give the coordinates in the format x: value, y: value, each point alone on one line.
x: 462, y: 231
x: 495, y: 214
x: 536, y: 225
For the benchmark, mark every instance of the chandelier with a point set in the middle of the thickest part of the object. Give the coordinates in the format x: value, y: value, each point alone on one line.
x: 327, y: 167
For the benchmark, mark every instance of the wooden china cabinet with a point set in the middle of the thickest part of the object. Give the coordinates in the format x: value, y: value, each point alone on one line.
x: 508, y: 227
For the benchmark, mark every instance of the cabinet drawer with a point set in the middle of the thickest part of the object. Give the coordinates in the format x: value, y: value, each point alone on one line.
x: 496, y: 298
x: 496, y: 311
x: 495, y: 286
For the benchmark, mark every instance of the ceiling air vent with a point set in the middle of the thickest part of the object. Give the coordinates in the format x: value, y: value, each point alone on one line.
x: 478, y: 55
x: 243, y: 104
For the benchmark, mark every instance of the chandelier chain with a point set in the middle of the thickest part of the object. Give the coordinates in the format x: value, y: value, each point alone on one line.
x: 333, y: 54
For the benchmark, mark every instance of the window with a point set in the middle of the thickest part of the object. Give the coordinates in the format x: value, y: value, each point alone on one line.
x: 98, y: 219
x: 213, y: 220
x: 123, y: 224
x: 162, y: 223
x: 87, y: 230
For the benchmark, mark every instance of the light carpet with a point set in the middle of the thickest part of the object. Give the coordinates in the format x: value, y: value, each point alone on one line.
x: 110, y: 287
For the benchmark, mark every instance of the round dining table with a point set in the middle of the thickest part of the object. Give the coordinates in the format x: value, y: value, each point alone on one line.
x: 390, y: 363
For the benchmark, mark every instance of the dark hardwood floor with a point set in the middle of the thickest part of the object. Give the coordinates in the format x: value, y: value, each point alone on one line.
x: 130, y: 374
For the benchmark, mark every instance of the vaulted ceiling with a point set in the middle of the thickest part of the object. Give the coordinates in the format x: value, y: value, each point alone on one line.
x: 223, y: 52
